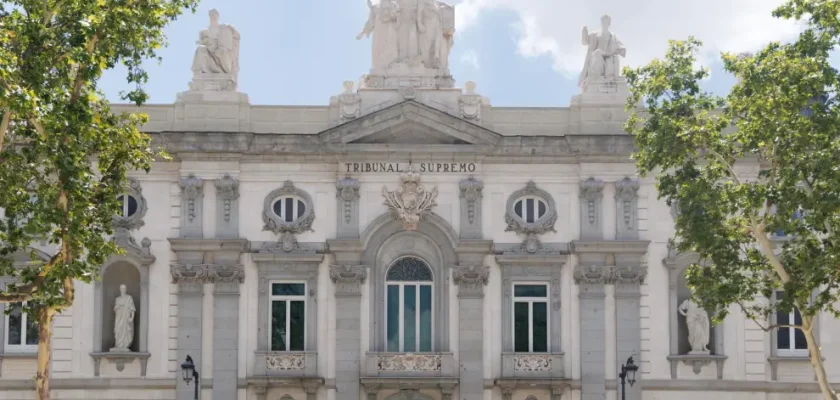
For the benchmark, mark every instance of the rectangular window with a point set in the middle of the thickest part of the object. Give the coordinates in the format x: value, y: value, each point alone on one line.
x: 21, y: 330
x: 408, y: 318
x: 288, y: 316
x: 530, y: 318
x: 790, y: 342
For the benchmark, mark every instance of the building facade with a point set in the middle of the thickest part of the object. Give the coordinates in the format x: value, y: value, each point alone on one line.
x: 406, y: 241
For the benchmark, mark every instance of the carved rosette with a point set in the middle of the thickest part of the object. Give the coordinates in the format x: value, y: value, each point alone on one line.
x: 471, y: 191
x: 409, y: 362
x: 282, y: 361
x: 347, y: 191
x: 349, y: 103
x: 192, y: 188
x: 471, y: 279
x: 227, y: 189
x: 626, y: 193
x: 410, y: 201
x: 348, y: 279
x: 591, y: 191
x: 532, y: 363
x: 531, y: 230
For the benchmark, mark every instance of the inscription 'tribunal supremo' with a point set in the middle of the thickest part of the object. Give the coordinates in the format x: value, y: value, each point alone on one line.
x: 418, y: 167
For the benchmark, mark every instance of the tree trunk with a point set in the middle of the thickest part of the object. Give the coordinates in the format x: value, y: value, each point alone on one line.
x: 815, y: 355
x: 42, y: 377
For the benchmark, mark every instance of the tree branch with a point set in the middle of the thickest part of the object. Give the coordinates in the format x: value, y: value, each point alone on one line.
x: 4, y: 126
x: 79, y: 81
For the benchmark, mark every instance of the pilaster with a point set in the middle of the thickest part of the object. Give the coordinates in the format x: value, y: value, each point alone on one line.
x: 347, y: 196
x: 471, y: 200
x: 190, y: 279
x: 348, y: 280
x: 627, y: 206
x: 192, y: 207
x: 227, y: 207
x: 471, y: 280
x: 227, y: 279
x: 591, y: 280
x: 627, y: 281
x: 591, y: 199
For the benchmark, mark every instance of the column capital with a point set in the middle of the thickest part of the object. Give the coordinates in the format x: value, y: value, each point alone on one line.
x: 592, y: 274
x: 471, y: 279
x: 348, y: 279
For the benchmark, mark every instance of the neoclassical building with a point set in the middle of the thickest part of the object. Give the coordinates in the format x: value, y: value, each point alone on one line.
x: 405, y: 241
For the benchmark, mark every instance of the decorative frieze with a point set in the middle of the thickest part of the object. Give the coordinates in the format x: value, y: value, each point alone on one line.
x: 409, y: 362
x: 591, y: 199
x: 227, y: 207
x: 627, y: 203
x: 207, y: 273
x: 532, y: 362
x: 410, y: 201
x: 283, y: 361
x: 192, y: 199
x: 348, y: 279
x: 592, y: 274
x: 471, y: 196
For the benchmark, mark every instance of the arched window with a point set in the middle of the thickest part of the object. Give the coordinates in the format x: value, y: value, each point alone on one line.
x: 408, y: 305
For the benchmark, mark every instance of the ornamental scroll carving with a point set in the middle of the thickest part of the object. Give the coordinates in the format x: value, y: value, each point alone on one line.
x: 472, y: 275
x: 532, y: 363
x: 192, y: 188
x: 627, y: 197
x: 409, y: 362
x: 591, y: 191
x: 471, y: 192
x: 347, y: 191
x: 278, y: 361
x: 592, y: 274
x: 227, y: 190
x: 410, y: 201
x: 207, y: 273
x: 348, y: 278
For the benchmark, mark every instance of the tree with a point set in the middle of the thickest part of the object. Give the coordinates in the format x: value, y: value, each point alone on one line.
x: 63, y: 154
x: 781, y: 116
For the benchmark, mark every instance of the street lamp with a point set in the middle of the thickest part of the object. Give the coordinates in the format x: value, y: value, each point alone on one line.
x: 628, y: 370
x: 188, y: 369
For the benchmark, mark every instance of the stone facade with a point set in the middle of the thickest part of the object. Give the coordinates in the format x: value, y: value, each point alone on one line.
x: 269, y: 211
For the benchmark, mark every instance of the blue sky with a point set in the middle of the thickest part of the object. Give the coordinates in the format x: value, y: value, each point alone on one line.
x: 520, y: 52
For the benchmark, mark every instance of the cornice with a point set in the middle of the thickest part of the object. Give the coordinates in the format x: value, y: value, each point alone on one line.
x: 227, y: 245
x: 609, y: 246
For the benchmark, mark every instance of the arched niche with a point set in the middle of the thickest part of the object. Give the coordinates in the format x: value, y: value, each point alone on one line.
x: 678, y: 291
x: 434, y: 242
x: 131, y: 270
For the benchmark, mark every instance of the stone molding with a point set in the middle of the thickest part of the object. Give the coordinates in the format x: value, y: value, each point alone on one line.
x: 542, y: 225
x: 120, y: 359
x: 697, y: 363
x: 348, y: 279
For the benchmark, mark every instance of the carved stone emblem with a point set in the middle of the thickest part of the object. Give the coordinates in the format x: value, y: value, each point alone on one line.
x: 349, y: 103
x: 470, y: 102
x: 410, y: 201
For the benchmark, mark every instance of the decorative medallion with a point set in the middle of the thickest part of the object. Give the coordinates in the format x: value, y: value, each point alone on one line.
x: 349, y: 103
x: 410, y: 201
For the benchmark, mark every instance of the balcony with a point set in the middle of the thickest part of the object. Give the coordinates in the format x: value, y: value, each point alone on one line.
x: 286, y: 364
x: 408, y: 365
x: 532, y: 365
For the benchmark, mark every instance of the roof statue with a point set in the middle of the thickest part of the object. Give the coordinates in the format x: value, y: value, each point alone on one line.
x: 216, y: 62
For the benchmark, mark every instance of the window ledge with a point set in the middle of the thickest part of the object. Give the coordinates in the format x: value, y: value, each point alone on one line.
x: 410, y: 364
x: 697, y: 361
x: 120, y: 358
x: 293, y: 364
x: 776, y: 360
x: 532, y: 365
x: 18, y: 356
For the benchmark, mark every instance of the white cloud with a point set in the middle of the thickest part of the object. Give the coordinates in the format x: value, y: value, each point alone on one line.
x: 553, y: 27
x: 470, y: 57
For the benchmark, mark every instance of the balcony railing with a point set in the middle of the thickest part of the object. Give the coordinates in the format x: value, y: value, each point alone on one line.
x: 286, y: 364
x: 410, y: 364
x: 532, y: 365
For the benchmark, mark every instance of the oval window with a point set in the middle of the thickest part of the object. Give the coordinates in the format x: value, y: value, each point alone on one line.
x: 530, y: 209
x: 288, y: 208
x: 128, y: 205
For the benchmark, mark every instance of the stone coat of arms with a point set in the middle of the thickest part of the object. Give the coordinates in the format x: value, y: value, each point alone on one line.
x: 410, y: 201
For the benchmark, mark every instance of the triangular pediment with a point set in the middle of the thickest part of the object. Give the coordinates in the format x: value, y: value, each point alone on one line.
x: 410, y: 122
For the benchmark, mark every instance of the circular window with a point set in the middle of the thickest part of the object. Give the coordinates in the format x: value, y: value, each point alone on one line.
x: 288, y: 208
x: 530, y: 208
x: 128, y: 205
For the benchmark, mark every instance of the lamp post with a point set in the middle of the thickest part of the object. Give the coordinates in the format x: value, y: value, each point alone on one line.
x: 628, y: 370
x: 189, y: 371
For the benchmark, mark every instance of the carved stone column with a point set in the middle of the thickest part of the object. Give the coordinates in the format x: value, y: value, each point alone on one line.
x: 471, y: 197
x: 192, y: 207
x: 627, y: 205
x: 347, y: 194
x: 627, y: 281
x: 348, y: 280
x: 227, y: 279
x: 227, y: 207
x: 591, y: 280
x: 471, y: 280
x: 190, y: 279
x: 591, y: 196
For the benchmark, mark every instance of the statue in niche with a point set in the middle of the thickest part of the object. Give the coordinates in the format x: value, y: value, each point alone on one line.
x: 602, y: 55
x: 124, y: 321
x: 382, y: 26
x: 218, y: 49
x: 697, y: 321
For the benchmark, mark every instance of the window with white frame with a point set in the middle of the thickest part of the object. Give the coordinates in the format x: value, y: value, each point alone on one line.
x: 408, y: 305
x: 530, y: 208
x: 288, y: 208
x: 288, y: 316
x: 790, y: 342
x: 129, y: 205
x: 530, y: 317
x: 21, y: 330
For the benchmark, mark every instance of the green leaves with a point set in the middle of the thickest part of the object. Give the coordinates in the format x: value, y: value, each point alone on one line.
x: 755, y: 174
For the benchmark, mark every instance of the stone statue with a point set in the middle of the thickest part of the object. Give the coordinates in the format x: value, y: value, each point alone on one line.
x: 123, y: 321
x: 697, y: 321
x: 382, y: 26
x: 436, y: 27
x: 602, y: 56
x: 408, y: 33
x: 217, y: 53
